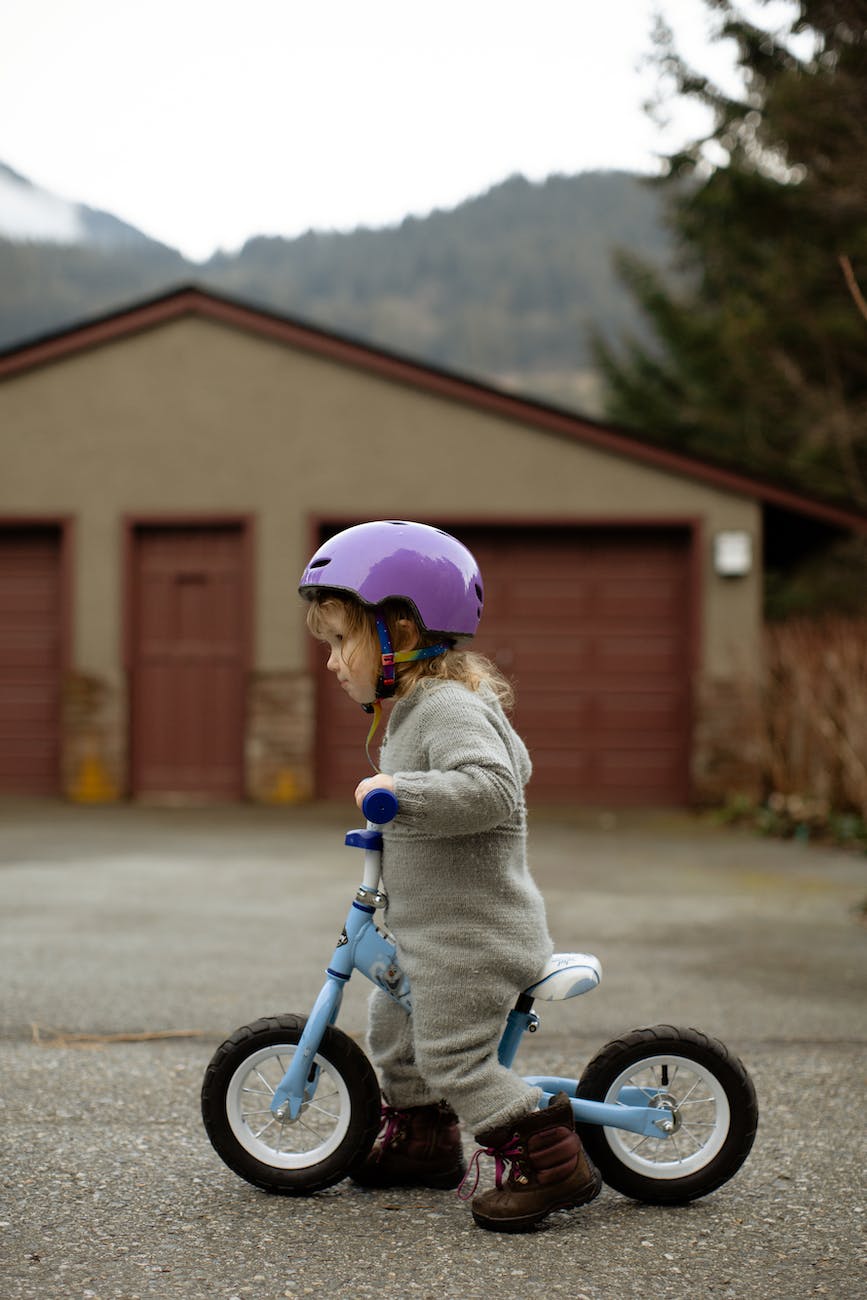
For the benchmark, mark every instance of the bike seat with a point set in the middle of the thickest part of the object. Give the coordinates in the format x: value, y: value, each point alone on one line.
x: 565, y: 976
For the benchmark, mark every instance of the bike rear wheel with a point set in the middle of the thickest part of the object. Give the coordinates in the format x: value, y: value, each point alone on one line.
x: 335, y: 1129
x: 712, y: 1103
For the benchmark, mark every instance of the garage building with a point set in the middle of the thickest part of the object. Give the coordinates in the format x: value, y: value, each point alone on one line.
x: 166, y: 471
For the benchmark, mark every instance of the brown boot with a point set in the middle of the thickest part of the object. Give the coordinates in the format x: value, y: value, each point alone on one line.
x: 549, y: 1170
x: 417, y: 1147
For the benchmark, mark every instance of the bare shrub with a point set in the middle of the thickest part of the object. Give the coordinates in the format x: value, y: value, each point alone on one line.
x: 814, y: 716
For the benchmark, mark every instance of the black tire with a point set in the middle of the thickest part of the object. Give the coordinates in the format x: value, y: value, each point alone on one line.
x: 715, y: 1107
x: 335, y: 1129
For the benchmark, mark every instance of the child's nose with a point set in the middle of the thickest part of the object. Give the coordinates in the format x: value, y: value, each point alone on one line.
x: 333, y: 661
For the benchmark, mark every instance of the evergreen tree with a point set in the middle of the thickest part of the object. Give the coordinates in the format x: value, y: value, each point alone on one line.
x: 759, y: 356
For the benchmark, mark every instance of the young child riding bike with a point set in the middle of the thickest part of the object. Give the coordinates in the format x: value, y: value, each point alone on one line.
x: 395, y: 602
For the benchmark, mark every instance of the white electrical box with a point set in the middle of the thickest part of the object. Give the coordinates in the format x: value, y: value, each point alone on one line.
x: 733, y: 554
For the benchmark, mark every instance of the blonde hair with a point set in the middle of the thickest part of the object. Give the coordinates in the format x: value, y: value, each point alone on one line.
x: 467, y: 667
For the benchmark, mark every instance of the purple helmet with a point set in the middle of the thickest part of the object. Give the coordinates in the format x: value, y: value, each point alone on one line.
x: 413, y: 562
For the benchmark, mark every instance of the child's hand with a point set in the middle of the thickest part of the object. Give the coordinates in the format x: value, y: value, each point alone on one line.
x: 372, y: 783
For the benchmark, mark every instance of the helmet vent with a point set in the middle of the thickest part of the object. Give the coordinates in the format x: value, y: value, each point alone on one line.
x: 480, y: 594
x: 319, y: 564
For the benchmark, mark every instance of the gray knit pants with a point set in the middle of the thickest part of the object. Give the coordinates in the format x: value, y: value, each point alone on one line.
x: 447, y: 1050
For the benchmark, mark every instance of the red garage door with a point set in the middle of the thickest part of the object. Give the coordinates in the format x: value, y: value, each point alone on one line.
x: 593, y: 626
x: 188, y: 646
x: 30, y: 660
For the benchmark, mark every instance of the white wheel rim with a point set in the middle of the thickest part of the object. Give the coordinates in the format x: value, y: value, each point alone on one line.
x: 283, y: 1143
x: 702, y: 1117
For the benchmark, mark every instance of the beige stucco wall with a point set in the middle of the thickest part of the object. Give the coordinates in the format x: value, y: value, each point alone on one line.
x: 195, y: 416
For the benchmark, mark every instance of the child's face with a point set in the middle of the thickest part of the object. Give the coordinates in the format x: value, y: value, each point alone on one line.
x: 350, y: 658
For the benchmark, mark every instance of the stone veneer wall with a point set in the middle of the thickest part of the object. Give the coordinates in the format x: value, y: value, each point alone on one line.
x: 93, y: 761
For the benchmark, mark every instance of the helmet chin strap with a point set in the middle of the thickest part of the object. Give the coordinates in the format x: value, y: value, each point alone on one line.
x: 386, y: 682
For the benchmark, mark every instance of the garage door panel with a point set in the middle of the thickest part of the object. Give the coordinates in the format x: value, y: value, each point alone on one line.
x: 27, y: 598
x: 592, y: 625
x: 25, y: 652
x: 530, y: 661
x: 647, y: 715
x: 613, y: 659
x: 625, y: 778
x: 574, y: 719
x: 32, y: 701
x: 343, y: 727
x: 30, y: 660
x: 638, y: 656
x: 200, y: 610
x: 540, y: 601
x: 188, y: 669
x: 569, y: 768
x: 630, y: 605
x: 644, y: 772
x: 568, y: 717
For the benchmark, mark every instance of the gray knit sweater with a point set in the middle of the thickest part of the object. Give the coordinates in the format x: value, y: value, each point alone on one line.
x: 454, y: 859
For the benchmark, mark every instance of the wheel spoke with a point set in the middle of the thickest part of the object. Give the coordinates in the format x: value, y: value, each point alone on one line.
x: 648, y: 1137
x: 699, y: 1142
x: 676, y: 1148
x: 687, y: 1096
x: 323, y: 1110
x: 262, y: 1079
x: 271, y: 1122
x: 309, y: 1128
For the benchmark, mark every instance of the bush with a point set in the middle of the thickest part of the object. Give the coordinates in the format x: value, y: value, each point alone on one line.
x: 813, y: 732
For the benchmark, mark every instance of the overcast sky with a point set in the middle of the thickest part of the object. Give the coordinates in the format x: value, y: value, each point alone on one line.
x: 204, y: 122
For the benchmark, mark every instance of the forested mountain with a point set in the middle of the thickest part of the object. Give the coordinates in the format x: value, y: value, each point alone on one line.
x: 507, y: 286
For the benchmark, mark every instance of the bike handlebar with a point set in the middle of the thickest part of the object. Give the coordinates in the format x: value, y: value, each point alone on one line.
x: 379, y: 807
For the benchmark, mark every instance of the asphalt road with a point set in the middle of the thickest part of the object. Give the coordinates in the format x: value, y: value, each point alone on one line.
x: 134, y: 940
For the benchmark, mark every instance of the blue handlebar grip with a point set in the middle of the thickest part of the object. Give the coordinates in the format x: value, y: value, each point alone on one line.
x: 379, y: 807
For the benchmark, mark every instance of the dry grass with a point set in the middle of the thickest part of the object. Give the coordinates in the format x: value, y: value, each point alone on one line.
x: 814, y: 716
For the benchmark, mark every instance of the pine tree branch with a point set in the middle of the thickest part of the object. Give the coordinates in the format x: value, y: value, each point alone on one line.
x: 853, y: 285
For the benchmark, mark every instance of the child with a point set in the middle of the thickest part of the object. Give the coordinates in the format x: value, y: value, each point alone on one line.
x: 392, y: 600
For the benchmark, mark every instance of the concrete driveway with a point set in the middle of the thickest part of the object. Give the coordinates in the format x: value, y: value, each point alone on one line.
x: 134, y: 940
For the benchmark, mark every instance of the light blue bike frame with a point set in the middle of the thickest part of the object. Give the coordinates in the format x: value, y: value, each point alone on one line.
x: 364, y: 948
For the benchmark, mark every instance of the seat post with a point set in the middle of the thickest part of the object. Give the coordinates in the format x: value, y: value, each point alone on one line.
x: 521, y: 1018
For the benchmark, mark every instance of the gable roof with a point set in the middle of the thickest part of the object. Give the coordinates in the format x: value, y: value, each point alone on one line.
x: 192, y: 300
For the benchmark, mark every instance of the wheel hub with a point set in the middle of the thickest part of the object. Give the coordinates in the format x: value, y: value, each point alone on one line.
x: 666, y: 1100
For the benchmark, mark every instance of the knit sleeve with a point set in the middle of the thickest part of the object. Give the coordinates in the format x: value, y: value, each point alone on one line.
x: 469, y: 782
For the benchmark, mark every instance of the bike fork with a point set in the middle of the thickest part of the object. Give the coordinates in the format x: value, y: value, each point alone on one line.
x: 361, y: 947
x: 299, y: 1082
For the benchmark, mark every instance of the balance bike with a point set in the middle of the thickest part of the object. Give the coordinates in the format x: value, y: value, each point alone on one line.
x: 292, y: 1104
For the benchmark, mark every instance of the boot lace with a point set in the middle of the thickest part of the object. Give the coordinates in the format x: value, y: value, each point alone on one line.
x: 509, y: 1153
x: 393, y: 1127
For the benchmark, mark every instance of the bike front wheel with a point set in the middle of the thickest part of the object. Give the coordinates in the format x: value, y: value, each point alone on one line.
x: 712, y: 1101
x: 337, y: 1124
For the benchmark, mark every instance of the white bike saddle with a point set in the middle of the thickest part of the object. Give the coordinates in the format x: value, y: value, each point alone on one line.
x: 565, y: 976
